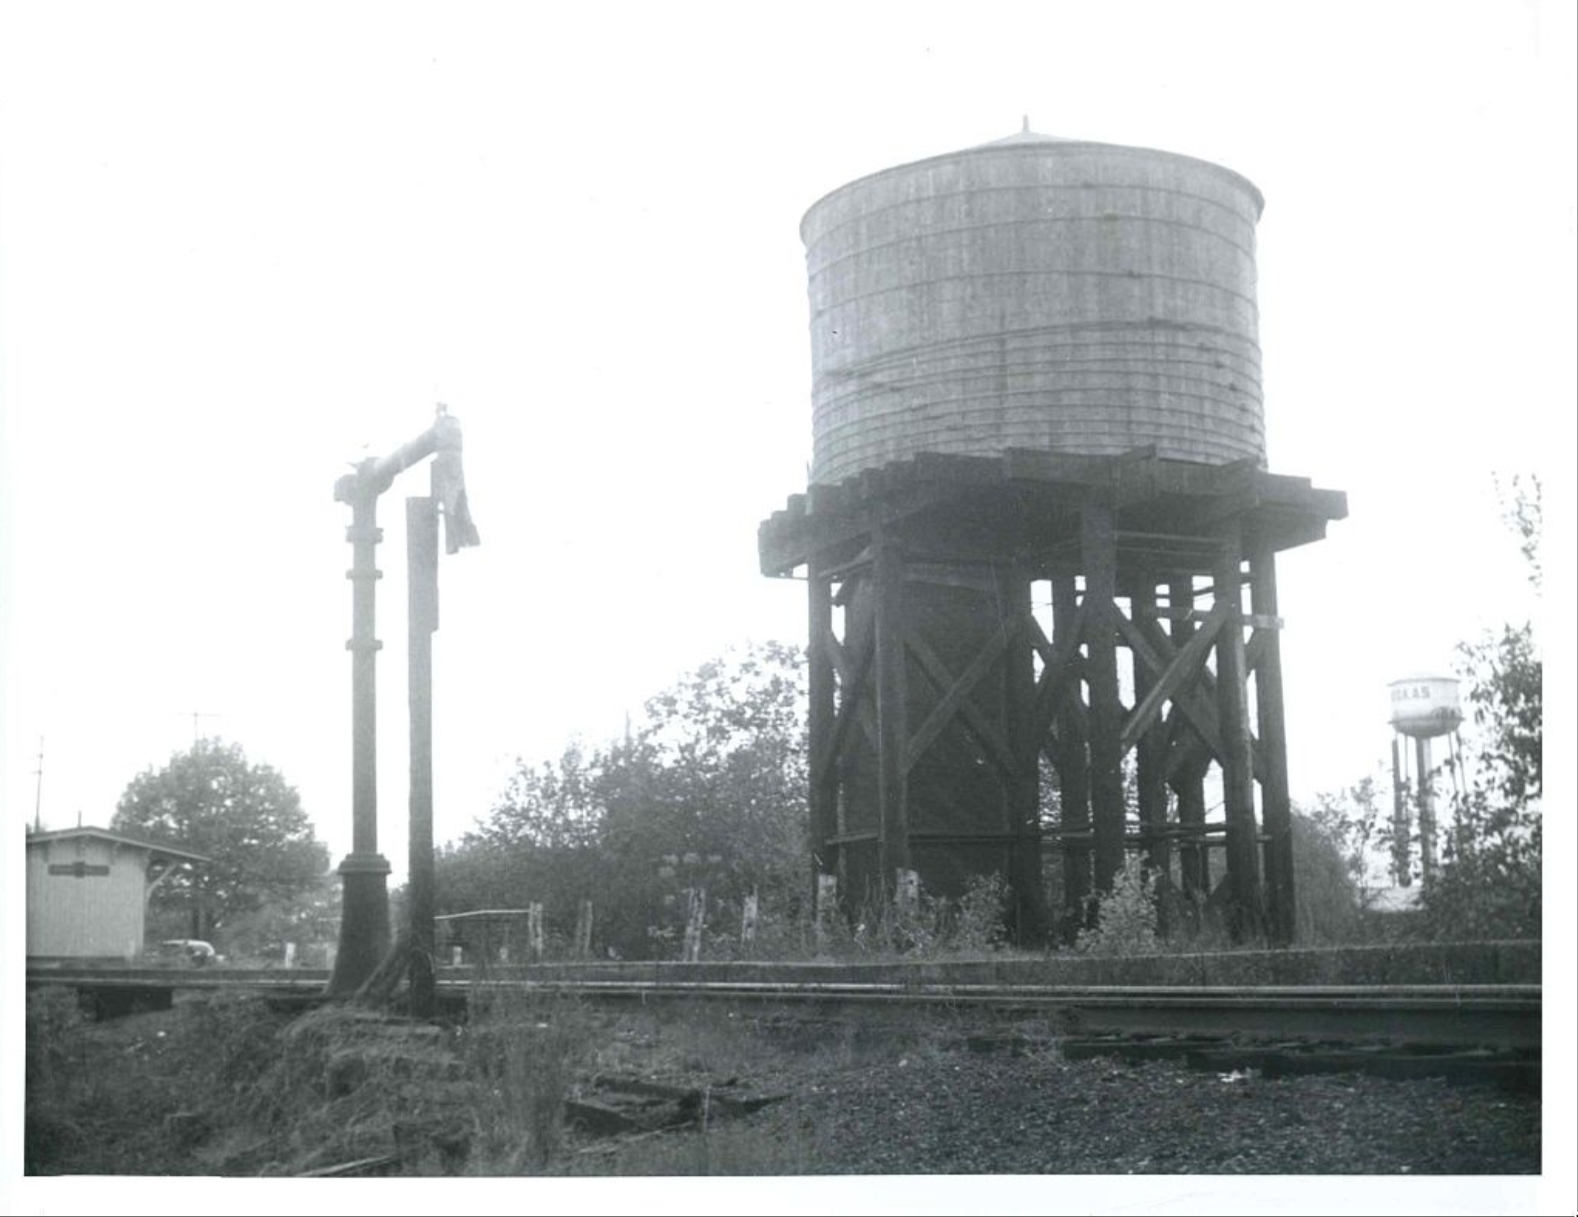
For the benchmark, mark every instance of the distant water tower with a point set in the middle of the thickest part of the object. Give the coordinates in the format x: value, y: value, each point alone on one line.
x: 1036, y: 365
x: 1423, y: 708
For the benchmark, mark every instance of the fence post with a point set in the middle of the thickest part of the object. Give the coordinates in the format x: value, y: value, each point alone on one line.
x: 695, y: 922
x: 826, y: 906
x: 583, y: 930
x: 748, y: 919
x: 534, y: 930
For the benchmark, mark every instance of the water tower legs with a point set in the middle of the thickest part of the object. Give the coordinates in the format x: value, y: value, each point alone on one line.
x: 1150, y: 759
x: 1276, y: 802
x: 1427, y: 811
x: 935, y: 693
x: 1099, y: 560
x: 1067, y: 749
x: 892, y: 770
x: 1246, y: 917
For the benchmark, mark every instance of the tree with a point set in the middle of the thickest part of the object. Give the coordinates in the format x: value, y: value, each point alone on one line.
x: 1489, y: 881
x: 1330, y: 865
x: 244, y: 817
x: 1351, y: 824
x: 709, y: 790
x: 713, y: 787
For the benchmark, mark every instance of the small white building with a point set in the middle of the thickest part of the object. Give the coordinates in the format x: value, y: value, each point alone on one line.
x: 88, y: 890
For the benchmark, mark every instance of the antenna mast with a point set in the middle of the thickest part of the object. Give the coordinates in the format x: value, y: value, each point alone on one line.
x: 196, y: 729
x: 38, y: 786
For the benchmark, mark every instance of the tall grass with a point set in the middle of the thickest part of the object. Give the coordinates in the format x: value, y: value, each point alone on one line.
x: 51, y: 1130
x: 523, y: 1051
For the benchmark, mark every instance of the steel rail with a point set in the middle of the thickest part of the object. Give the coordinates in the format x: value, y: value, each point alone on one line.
x: 1500, y: 1015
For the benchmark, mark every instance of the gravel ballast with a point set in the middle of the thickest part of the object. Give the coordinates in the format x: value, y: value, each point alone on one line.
x: 960, y: 1113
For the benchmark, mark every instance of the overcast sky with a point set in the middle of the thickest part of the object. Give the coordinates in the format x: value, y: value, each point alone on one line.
x: 242, y: 246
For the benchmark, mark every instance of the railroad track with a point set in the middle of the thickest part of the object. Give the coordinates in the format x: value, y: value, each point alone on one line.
x: 1504, y: 1017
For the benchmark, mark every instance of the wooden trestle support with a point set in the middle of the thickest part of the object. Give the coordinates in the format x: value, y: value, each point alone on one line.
x: 936, y: 694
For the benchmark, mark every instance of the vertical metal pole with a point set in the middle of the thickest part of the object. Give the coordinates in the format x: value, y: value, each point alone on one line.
x: 1427, y: 814
x: 421, y: 524
x: 1400, y: 850
x: 364, y: 920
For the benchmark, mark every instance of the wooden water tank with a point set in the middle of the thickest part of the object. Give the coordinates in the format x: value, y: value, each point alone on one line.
x: 1035, y: 293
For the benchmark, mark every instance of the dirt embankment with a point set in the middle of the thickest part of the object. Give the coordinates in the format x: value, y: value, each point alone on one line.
x: 226, y: 1087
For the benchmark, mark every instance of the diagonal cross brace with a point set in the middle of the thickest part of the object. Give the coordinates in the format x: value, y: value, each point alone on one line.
x: 955, y: 691
x: 1060, y: 668
x: 851, y: 681
x: 1155, y: 650
x: 1172, y: 677
x: 954, y: 697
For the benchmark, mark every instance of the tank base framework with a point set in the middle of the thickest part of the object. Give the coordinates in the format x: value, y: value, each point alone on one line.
x: 937, y: 696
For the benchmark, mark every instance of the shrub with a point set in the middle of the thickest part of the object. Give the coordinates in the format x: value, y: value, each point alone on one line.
x: 53, y: 1016
x: 1125, y: 921
x: 979, y: 924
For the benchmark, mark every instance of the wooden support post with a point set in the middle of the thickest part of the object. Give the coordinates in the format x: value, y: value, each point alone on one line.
x: 822, y: 716
x: 1275, y: 802
x: 1189, y: 783
x: 1099, y: 560
x: 1150, y: 761
x: 1024, y: 782
x: 1069, y: 761
x: 1246, y: 920
x: 893, y: 852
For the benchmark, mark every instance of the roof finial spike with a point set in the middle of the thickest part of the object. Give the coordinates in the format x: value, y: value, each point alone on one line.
x: 1026, y: 128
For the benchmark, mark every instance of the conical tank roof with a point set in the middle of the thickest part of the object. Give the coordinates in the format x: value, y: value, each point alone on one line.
x: 1026, y: 136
